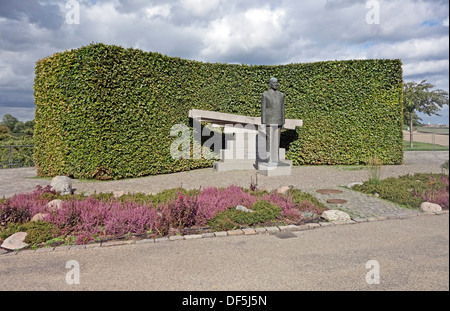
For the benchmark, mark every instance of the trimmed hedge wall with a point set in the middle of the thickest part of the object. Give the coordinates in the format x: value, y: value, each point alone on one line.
x: 105, y: 112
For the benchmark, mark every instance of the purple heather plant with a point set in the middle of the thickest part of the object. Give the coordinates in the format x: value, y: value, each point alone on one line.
x: 212, y: 200
x: 21, y: 207
x: 91, y: 217
x: 439, y: 196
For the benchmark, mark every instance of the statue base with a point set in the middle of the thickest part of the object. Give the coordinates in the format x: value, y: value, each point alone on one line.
x: 282, y: 168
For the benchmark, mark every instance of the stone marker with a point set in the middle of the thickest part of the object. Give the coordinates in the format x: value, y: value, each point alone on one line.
x: 351, y: 185
x: 333, y: 215
x: 430, y: 207
x: 15, y: 241
x: 284, y: 189
x: 62, y: 184
x: 55, y: 204
x: 39, y: 216
x: 244, y: 209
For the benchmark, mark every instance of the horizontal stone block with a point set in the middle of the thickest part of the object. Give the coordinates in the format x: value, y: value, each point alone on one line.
x: 192, y: 236
x: 176, y: 237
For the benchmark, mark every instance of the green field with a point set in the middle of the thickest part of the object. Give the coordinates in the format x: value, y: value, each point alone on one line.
x: 436, y: 130
x: 418, y: 146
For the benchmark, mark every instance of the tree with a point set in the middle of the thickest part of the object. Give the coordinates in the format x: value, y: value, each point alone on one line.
x: 9, y: 121
x: 420, y: 97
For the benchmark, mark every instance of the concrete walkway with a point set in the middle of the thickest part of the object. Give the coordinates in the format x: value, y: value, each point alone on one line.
x: 412, y: 254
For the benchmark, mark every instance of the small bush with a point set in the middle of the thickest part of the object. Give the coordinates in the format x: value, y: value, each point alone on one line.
x: 444, y: 167
x: 410, y: 190
x: 86, y: 218
x: 37, y: 231
x: 230, y: 219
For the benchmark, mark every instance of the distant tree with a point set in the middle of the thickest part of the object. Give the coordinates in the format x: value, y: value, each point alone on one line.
x: 29, y: 124
x: 420, y: 97
x: 19, y: 127
x: 29, y: 128
x: 4, y: 129
x: 9, y: 121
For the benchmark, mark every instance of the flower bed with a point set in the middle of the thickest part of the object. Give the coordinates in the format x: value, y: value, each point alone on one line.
x: 411, y: 190
x: 83, y: 219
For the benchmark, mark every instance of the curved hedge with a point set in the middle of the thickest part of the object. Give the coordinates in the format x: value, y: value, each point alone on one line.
x: 105, y: 112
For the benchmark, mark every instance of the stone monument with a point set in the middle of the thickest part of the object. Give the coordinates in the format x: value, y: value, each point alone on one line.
x: 253, y: 142
x: 273, y: 118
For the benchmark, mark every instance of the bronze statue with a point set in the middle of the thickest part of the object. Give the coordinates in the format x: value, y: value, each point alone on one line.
x: 272, y: 115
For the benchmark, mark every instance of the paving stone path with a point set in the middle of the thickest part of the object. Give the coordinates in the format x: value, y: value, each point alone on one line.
x: 360, y: 205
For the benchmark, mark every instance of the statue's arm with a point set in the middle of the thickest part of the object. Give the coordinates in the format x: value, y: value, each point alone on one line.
x: 263, y: 109
x: 283, y: 111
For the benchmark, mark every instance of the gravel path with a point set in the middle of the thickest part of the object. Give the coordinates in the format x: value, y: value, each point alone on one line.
x: 307, y: 178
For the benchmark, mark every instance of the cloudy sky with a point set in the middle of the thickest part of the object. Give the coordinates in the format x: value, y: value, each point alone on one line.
x: 227, y: 31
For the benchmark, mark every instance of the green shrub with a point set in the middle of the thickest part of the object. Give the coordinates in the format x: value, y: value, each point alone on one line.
x: 299, y: 196
x: 37, y: 231
x: 405, y: 190
x: 105, y: 112
x: 232, y: 218
x: 40, y: 231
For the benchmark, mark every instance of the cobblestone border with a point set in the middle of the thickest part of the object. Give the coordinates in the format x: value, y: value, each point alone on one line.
x: 245, y: 231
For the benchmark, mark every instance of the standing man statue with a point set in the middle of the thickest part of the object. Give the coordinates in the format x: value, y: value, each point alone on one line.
x: 272, y: 116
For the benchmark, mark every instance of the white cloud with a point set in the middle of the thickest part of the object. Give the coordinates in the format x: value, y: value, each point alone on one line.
x: 445, y: 22
x: 251, y: 31
x: 413, y: 48
x: 425, y: 67
x: 158, y: 10
x: 200, y: 7
x: 258, y: 28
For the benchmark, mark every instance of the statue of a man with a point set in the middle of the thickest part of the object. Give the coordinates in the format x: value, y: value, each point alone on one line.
x: 272, y: 115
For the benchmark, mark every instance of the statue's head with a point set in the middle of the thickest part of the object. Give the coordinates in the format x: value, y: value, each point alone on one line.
x: 273, y: 83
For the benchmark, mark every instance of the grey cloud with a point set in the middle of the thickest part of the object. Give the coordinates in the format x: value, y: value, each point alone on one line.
x: 43, y: 13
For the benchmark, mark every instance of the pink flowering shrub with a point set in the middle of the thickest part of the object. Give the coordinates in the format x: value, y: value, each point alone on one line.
x: 180, y: 212
x: 212, y: 201
x: 439, y: 196
x: 23, y: 206
x: 289, y: 209
x: 88, y: 218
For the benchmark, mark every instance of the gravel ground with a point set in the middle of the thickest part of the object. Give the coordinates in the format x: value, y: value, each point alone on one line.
x: 18, y: 180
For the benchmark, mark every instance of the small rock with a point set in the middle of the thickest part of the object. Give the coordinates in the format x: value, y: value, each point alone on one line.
x: 430, y: 207
x: 244, y: 209
x: 351, y: 185
x: 39, y: 216
x: 307, y: 214
x: 118, y: 194
x: 62, y: 184
x: 376, y: 195
x: 333, y: 215
x: 284, y: 189
x: 55, y: 204
x: 15, y: 241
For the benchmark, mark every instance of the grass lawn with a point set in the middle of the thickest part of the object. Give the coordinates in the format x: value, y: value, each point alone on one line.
x: 418, y: 146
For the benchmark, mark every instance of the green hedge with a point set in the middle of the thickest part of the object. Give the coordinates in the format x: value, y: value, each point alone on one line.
x: 105, y: 112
